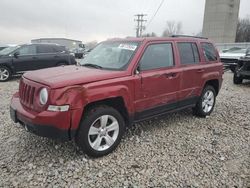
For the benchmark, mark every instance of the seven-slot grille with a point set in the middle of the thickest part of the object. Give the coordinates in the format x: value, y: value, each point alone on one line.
x: 26, y: 93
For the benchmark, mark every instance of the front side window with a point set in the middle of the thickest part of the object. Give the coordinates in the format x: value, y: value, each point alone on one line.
x: 188, y: 53
x: 157, y: 56
x: 209, y: 52
x: 27, y: 50
x: 9, y: 50
x: 112, y: 55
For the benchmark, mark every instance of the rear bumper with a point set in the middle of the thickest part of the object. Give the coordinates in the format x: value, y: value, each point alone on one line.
x: 55, y: 125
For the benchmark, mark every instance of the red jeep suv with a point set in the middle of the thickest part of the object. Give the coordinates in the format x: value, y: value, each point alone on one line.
x: 118, y: 83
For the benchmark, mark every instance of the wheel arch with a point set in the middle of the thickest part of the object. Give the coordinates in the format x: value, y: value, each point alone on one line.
x: 214, y: 83
x: 62, y: 62
x: 114, y: 102
x: 9, y: 67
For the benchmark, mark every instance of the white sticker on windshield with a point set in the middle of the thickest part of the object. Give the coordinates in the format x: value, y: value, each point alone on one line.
x: 127, y: 47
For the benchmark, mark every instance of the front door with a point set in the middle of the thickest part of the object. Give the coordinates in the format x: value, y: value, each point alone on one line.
x: 26, y: 58
x: 158, y: 81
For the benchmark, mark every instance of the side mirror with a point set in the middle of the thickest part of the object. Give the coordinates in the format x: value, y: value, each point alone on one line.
x: 137, y: 70
x: 16, y: 54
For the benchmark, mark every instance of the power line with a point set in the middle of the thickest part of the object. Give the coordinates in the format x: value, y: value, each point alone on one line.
x: 155, y: 13
x: 140, y: 27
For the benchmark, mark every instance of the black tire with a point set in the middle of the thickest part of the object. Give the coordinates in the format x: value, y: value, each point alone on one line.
x: 199, y: 110
x: 61, y: 64
x: 237, y: 79
x: 232, y: 68
x: 90, y: 119
x: 5, y: 71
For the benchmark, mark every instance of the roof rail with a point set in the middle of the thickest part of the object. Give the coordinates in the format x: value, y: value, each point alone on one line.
x: 189, y: 36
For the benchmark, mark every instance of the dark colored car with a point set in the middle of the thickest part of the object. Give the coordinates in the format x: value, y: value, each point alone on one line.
x: 231, y: 57
x: 18, y: 59
x: 242, y: 70
x: 2, y: 47
x: 119, y: 82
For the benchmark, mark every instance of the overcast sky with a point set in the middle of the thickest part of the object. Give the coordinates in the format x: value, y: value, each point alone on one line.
x: 23, y: 20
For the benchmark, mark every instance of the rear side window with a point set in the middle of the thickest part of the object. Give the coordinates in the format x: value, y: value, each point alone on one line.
x: 188, y: 53
x: 157, y: 56
x: 209, y: 52
x: 43, y: 49
x: 59, y: 49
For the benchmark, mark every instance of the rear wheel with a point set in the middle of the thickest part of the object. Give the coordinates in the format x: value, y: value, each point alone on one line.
x: 232, y: 68
x: 100, y: 131
x: 205, y: 105
x: 237, y: 78
x: 61, y: 64
x: 5, y: 74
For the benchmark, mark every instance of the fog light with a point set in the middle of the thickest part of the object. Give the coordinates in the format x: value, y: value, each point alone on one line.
x: 54, y: 108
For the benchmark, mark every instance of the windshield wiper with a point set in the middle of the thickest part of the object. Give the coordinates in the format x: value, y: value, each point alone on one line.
x: 92, y: 65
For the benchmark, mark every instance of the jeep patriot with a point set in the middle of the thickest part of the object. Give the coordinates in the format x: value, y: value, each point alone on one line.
x: 120, y: 82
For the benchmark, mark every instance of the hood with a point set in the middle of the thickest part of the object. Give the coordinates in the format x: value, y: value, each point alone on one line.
x: 232, y: 55
x: 70, y: 75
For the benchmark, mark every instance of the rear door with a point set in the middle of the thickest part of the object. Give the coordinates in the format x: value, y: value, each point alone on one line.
x: 26, y: 59
x: 47, y: 56
x: 192, y: 71
x: 159, y: 81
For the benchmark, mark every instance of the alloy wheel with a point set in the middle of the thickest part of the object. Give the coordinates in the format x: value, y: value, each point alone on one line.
x: 103, y: 132
x: 4, y: 74
x: 208, y: 101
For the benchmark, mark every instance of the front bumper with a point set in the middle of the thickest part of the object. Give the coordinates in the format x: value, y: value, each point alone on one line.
x: 55, y: 125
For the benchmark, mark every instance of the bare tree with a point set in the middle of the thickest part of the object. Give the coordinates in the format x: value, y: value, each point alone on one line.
x: 149, y: 35
x: 172, y: 28
x: 243, y: 30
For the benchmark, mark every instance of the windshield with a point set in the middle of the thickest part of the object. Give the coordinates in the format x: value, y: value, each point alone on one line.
x: 111, y: 55
x: 8, y: 50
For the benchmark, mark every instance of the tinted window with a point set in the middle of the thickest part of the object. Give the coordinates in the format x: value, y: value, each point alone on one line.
x: 209, y: 52
x: 59, y: 49
x: 27, y: 50
x: 44, y: 49
x: 157, y: 56
x: 188, y: 53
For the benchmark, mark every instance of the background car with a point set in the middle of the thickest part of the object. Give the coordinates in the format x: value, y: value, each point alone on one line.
x: 231, y: 57
x: 2, y: 47
x: 242, y: 70
x: 18, y: 59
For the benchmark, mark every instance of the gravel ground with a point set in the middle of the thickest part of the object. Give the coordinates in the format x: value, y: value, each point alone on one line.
x: 177, y: 150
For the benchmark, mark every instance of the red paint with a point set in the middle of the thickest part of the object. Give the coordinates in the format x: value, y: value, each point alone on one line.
x: 80, y: 86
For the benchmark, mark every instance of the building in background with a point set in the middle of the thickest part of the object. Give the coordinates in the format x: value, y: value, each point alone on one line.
x: 74, y: 46
x: 220, y: 20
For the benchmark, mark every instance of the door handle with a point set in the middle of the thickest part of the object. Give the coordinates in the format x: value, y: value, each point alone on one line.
x: 156, y: 75
x: 34, y: 58
x: 56, y: 56
x: 200, y: 70
x: 171, y: 75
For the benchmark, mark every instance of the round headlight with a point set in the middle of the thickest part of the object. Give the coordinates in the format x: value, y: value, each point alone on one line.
x: 43, y: 96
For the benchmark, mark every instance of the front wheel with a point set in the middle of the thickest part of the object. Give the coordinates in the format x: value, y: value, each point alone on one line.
x: 205, y: 105
x: 100, y: 131
x: 5, y: 74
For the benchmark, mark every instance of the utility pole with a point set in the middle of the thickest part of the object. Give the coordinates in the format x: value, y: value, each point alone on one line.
x: 140, y: 26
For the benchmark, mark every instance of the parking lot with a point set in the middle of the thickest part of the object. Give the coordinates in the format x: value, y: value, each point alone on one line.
x: 178, y: 150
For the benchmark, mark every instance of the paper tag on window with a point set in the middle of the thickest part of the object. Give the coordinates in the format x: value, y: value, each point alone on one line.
x: 127, y: 47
